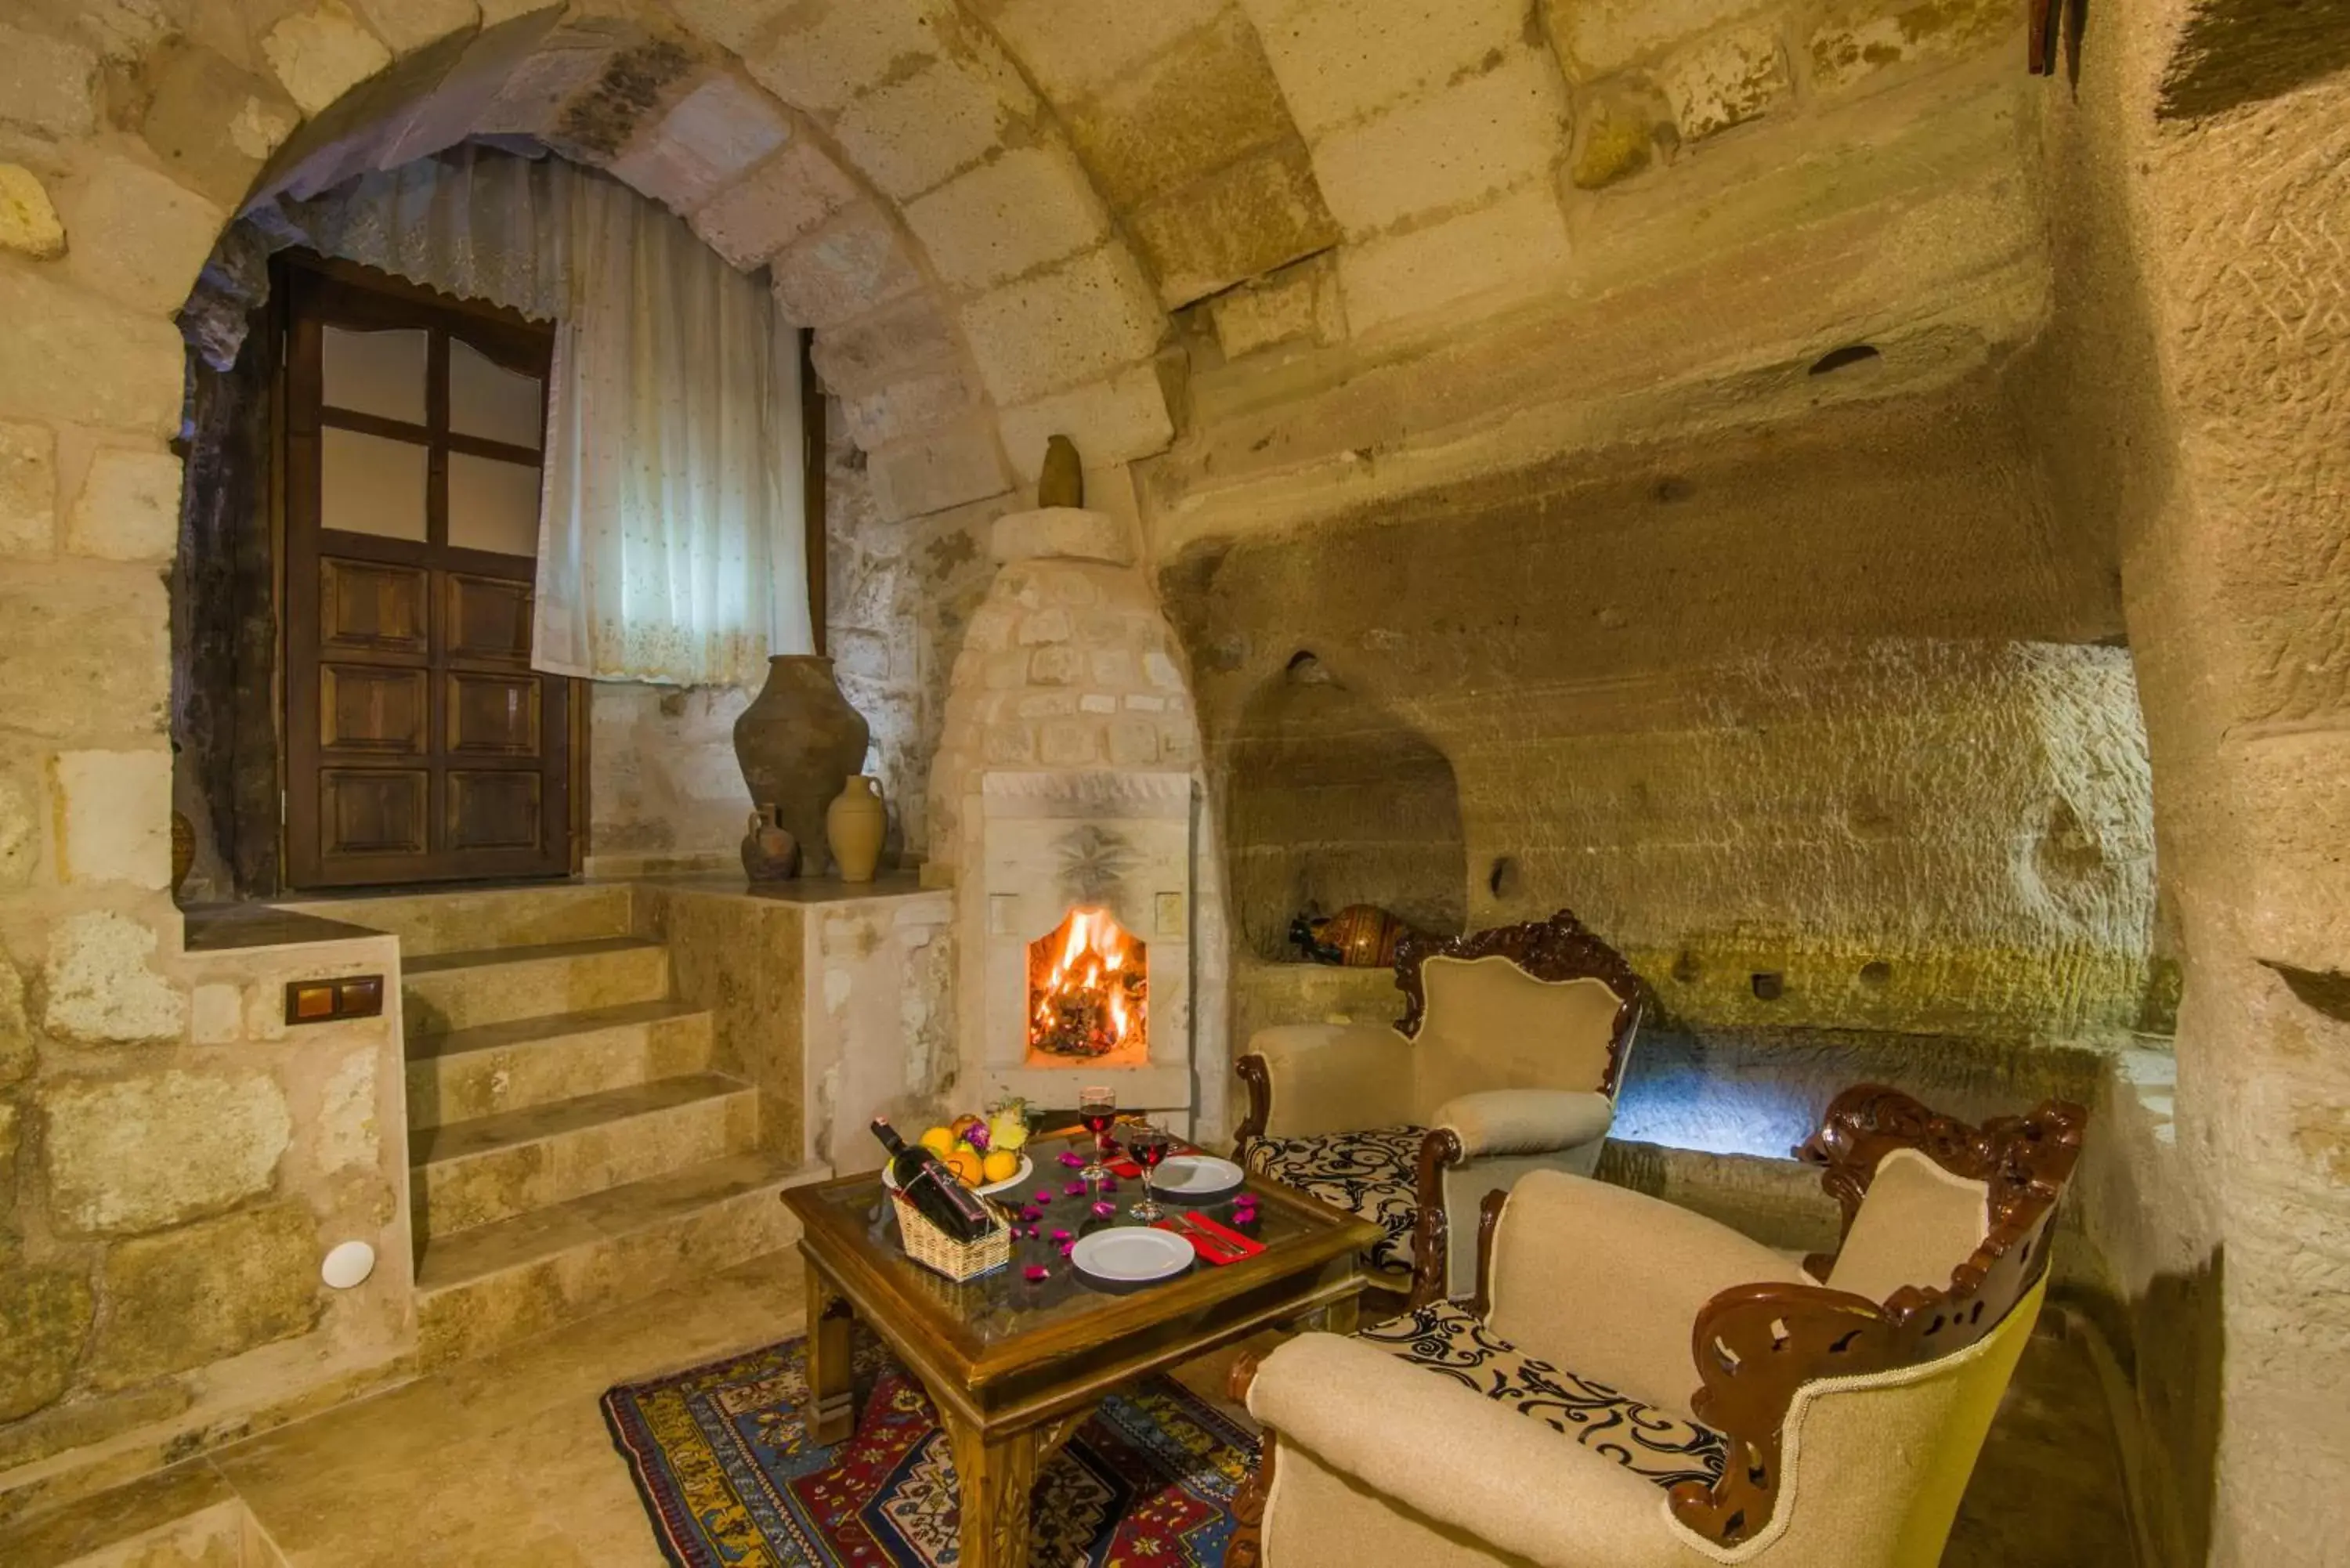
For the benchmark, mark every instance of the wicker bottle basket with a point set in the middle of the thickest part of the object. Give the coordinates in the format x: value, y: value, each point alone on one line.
x: 942, y: 1254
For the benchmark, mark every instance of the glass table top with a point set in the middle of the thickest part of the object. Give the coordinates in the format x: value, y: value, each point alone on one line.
x: 1005, y: 1304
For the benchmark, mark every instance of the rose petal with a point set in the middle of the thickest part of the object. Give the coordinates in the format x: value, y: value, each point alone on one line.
x: 1037, y: 1273
x: 1061, y: 1236
x: 1031, y: 1213
x: 1044, y: 1196
x: 1065, y: 1248
x: 1073, y: 1190
x: 1073, y: 1160
x: 1105, y: 1209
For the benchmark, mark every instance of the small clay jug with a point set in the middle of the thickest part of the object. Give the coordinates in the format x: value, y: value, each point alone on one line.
x: 770, y: 854
x: 855, y: 825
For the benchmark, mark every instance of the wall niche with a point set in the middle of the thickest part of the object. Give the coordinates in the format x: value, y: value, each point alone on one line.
x: 1336, y: 800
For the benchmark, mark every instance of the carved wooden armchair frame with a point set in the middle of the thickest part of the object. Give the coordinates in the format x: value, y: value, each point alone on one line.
x: 1555, y: 949
x: 1756, y: 1346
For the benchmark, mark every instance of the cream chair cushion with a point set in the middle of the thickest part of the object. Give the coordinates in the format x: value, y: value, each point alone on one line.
x: 1918, y: 1224
x: 1489, y: 1025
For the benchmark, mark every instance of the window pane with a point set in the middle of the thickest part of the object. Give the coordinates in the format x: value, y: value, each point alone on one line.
x: 493, y: 505
x: 489, y: 401
x: 379, y: 373
x: 370, y: 484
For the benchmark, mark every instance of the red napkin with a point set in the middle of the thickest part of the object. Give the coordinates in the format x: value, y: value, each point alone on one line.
x: 1214, y: 1251
x: 1247, y: 1246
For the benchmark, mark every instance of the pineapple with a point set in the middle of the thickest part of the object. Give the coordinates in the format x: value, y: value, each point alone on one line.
x: 1008, y: 1124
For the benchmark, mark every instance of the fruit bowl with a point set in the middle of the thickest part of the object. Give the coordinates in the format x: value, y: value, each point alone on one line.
x: 1018, y: 1177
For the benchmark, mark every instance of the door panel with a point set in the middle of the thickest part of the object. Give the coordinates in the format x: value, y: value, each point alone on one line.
x: 377, y: 812
x: 495, y: 715
x: 368, y: 604
x: 367, y: 707
x: 493, y: 810
x: 488, y: 619
x: 421, y: 745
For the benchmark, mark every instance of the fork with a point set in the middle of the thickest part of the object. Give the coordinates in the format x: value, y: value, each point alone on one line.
x: 1218, y: 1250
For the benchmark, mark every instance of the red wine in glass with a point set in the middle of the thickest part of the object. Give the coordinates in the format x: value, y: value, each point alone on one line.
x: 1098, y: 1109
x: 1148, y: 1145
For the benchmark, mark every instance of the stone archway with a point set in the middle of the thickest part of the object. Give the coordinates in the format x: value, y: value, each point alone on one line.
x: 910, y: 196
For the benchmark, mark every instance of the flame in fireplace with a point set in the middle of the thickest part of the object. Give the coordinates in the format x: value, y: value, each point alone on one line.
x: 1088, y: 985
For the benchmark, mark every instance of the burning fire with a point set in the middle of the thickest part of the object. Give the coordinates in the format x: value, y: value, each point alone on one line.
x: 1090, y: 983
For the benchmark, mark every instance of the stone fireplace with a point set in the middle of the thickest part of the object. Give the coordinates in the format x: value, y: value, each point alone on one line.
x: 1069, y: 810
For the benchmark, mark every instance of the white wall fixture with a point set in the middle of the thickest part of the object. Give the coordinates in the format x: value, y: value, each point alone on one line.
x: 348, y: 1264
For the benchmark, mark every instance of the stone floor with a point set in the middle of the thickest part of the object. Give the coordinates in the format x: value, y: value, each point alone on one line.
x: 505, y: 1460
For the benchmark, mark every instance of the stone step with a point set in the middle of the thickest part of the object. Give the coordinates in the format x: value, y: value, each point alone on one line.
x: 455, y: 919
x: 496, y: 1067
x: 478, y: 1172
x: 498, y: 1284
x: 447, y: 992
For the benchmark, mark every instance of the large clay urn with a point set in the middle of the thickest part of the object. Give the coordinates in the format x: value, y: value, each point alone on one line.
x: 798, y: 742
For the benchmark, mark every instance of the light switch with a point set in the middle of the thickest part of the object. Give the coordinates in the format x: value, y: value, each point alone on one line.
x: 325, y: 1001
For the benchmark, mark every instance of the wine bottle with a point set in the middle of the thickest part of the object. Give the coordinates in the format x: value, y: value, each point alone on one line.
x: 932, y: 1188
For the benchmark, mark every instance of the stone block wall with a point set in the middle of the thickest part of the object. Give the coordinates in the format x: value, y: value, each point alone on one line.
x: 664, y: 791
x: 177, y: 1162
x: 2195, y: 375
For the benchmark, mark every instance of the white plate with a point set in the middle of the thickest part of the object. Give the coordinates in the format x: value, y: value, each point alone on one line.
x: 1194, y: 1177
x: 1027, y: 1169
x: 1132, y: 1254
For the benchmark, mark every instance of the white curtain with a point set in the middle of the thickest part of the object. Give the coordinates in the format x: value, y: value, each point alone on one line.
x: 671, y: 513
x: 671, y: 545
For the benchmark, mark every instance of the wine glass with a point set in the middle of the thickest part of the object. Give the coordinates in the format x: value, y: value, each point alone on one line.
x: 1148, y: 1145
x: 1097, y: 1109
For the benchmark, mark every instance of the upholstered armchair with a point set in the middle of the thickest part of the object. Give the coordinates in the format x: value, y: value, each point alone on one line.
x: 1635, y: 1387
x: 1507, y: 1060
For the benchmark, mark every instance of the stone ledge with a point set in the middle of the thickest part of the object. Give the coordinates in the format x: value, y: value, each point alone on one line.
x: 1061, y: 532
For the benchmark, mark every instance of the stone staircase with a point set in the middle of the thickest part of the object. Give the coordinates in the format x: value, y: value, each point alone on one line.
x: 571, y: 1145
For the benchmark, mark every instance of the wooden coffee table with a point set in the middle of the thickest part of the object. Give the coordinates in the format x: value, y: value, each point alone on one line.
x: 1014, y: 1368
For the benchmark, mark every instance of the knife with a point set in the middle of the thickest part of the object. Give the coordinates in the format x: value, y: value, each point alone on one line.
x: 1207, y: 1246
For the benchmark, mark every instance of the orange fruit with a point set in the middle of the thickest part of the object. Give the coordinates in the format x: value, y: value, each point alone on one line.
x: 961, y: 1126
x: 999, y: 1165
x: 964, y: 1161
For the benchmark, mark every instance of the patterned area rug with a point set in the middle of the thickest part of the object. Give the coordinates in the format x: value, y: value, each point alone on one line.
x: 730, y: 1481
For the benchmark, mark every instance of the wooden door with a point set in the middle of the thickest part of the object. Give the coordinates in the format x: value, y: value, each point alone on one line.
x: 421, y: 745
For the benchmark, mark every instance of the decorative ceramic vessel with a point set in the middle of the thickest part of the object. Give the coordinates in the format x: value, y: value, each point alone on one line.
x: 855, y: 826
x: 797, y: 743
x: 1360, y: 935
x: 770, y: 854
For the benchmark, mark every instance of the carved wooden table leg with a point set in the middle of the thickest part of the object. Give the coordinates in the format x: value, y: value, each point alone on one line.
x: 996, y: 1477
x: 832, y: 1380
x: 1344, y: 1316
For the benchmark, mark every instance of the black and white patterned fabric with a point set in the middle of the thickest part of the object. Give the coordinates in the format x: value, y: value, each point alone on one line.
x: 1447, y: 1338
x: 1368, y: 1174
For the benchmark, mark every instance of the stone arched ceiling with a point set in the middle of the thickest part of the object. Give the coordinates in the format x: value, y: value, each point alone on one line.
x: 999, y: 215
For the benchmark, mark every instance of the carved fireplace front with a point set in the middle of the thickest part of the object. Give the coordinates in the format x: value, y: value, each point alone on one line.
x: 1085, y: 964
